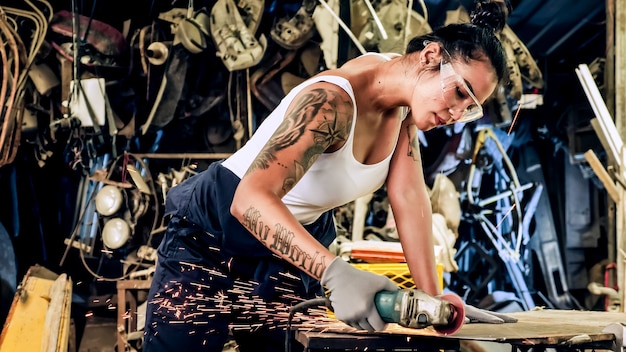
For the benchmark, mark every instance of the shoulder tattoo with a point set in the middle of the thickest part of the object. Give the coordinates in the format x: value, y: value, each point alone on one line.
x: 321, y: 112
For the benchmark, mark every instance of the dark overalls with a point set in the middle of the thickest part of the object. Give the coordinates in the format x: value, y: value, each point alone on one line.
x: 212, y: 275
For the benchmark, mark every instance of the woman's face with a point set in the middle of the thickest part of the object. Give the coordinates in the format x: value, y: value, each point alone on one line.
x: 450, y: 94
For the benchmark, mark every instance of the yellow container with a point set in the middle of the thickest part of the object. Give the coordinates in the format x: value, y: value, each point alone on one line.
x: 397, y: 272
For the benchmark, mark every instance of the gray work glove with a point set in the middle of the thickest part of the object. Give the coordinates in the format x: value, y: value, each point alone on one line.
x: 477, y: 315
x: 352, y: 292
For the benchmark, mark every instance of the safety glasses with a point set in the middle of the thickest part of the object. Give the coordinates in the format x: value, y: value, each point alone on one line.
x: 461, y: 101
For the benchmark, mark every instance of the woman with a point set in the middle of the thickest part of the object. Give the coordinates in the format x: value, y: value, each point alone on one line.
x: 249, y: 236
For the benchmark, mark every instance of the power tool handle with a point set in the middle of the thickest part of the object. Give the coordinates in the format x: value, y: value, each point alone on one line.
x: 386, y: 305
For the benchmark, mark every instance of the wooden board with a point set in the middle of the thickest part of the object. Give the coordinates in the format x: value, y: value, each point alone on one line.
x: 24, y: 329
x: 540, y: 327
x: 39, y: 318
x: 549, y: 326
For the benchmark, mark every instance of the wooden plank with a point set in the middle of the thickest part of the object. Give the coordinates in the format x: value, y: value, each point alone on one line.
x: 67, y: 76
x: 602, y: 114
x: 546, y: 326
x: 620, y: 227
x: 24, y: 328
x: 538, y: 327
x: 603, y: 175
x: 619, y: 60
x: 63, y: 341
x: 52, y: 324
x: 619, y: 35
x: 122, y: 331
x: 39, y: 318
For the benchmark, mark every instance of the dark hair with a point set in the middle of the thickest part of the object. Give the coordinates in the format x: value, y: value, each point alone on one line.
x: 472, y: 40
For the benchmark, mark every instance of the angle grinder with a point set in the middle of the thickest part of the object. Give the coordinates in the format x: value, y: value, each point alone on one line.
x: 416, y: 309
x: 410, y: 308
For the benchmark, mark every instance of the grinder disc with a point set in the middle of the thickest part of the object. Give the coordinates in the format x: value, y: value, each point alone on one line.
x: 458, y: 318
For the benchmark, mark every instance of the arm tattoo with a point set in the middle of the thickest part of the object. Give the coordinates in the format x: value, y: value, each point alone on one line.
x: 326, y: 134
x: 331, y: 130
x: 413, y: 144
x: 281, y: 242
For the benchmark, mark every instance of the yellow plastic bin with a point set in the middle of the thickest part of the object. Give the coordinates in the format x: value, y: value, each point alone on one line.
x: 397, y: 272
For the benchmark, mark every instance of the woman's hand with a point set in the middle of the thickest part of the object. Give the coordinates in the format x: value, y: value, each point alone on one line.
x: 353, y: 292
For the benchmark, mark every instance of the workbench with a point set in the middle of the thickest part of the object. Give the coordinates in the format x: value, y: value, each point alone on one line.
x: 536, y: 330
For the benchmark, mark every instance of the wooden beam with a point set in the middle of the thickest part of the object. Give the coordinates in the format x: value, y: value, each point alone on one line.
x: 603, y: 175
x: 596, y: 100
x: 619, y: 80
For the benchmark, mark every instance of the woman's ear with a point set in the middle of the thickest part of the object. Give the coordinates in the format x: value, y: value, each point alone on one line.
x: 431, y: 54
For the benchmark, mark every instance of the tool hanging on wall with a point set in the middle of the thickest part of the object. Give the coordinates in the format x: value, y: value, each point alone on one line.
x: 386, y: 29
x: 343, y: 26
x: 234, y: 39
x: 16, y: 64
x: 239, y: 50
x: 292, y: 33
x: 157, y: 53
x: 190, y: 38
x: 239, y: 101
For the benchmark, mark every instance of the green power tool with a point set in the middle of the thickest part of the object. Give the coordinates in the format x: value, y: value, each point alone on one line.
x: 416, y: 309
x: 410, y: 308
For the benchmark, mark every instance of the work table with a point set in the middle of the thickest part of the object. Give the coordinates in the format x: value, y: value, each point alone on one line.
x: 560, y: 329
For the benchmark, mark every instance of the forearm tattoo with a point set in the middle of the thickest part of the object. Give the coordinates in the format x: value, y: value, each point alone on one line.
x: 281, y: 241
x: 317, y: 105
x: 413, y: 143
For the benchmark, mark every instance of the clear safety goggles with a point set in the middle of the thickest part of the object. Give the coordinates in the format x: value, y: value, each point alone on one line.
x: 461, y: 101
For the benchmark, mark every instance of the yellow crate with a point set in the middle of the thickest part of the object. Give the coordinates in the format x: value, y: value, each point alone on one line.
x: 397, y: 272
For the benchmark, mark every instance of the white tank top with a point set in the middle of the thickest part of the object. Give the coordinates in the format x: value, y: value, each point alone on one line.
x: 334, y: 179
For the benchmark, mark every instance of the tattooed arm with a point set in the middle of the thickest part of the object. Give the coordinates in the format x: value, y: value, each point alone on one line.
x: 411, y: 208
x: 318, y: 119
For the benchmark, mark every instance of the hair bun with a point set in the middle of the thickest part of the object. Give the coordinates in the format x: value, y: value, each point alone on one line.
x: 490, y: 14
